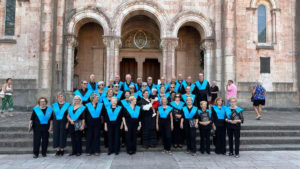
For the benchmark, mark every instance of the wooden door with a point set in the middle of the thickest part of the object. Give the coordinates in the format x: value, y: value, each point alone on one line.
x: 151, y: 67
x: 128, y: 66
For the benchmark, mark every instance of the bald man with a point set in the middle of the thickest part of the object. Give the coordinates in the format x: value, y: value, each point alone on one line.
x: 163, y: 83
x: 118, y: 81
x: 92, y: 84
x: 127, y: 83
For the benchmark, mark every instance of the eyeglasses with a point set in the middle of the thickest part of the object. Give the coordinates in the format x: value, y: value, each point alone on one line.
x: 172, y: 87
x: 177, y: 96
x: 85, y: 83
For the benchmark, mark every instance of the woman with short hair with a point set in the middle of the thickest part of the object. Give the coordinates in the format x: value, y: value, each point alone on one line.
x: 8, y: 90
x: 60, y: 121
x: 259, y: 99
x: 204, y: 127
x: 41, y: 123
x: 76, y: 124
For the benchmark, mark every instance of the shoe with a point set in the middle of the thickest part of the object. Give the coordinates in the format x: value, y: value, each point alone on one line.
x: 194, y: 154
x: 2, y: 115
x: 180, y: 146
x: 97, y: 154
x: 164, y: 151
x: 72, y: 154
x: 35, y: 156
x: 202, y: 152
x: 230, y: 154
x: 78, y: 154
x: 109, y: 153
x: 57, y: 153
x: 88, y: 154
x: 208, y: 152
x: 44, y: 155
x: 237, y: 156
x: 10, y: 115
x: 169, y: 152
x: 117, y: 153
x: 62, y: 152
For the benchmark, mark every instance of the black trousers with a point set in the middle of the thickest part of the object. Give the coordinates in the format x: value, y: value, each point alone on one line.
x: 93, y: 139
x: 131, y: 135
x: 165, y: 133
x: 190, y: 134
x: 205, y: 139
x: 40, y: 136
x: 76, y: 137
x: 234, y: 131
x: 220, y: 140
x: 59, y: 133
x: 177, y: 134
x: 113, y: 138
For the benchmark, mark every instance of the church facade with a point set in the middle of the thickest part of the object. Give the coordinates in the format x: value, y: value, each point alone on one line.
x: 50, y: 45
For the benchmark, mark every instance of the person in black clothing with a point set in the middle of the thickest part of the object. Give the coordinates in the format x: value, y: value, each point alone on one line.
x: 164, y: 124
x: 132, y: 124
x: 179, y: 88
x: 93, y: 115
x: 60, y: 113
x: 84, y: 92
x: 234, y: 118
x: 189, y: 122
x: 214, y: 90
x: 148, y: 121
x: 202, y: 89
x: 92, y: 85
x: 218, y: 117
x: 113, y: 120
x: 41, y: 123
x: 127, y: 83
x: 205, y: 127
x: 123, y: 103
x: 76, y: 125
x: 177, y: 134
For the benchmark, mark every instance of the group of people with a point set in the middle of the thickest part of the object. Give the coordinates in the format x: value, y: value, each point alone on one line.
x: 120, y: 111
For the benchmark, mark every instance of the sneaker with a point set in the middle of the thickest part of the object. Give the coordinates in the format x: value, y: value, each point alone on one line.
x: 44, y: 155
x: 169, y: 152
x: 62, y: 152
x: 2, y: 115
x: 237, y: 156
x: 35, y: 156
x: 88, y: 154
x: 10, y: 115
x: 96, y: 154
x: 57, y: 153
x: 72, y: 154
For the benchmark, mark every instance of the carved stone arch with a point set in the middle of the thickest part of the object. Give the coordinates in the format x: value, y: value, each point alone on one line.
x: 273, y: 3
x: 88, y: 14
x: 152, y: 9
x: 194, y: 19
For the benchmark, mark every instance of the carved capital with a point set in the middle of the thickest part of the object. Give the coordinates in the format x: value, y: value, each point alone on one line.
x: 71, y: 41
x: 112, y: 40
x: 207, y: 45
x: 169, y: 43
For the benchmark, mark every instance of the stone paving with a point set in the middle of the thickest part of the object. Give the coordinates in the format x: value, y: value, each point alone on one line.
x: 157, y: 160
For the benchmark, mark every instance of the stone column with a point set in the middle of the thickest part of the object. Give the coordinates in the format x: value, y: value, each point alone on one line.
x: 140, y: 62
x: 208, y: 46
x: 112, y: 44
x: 71, y: 44
x: 230, y: 40
x: 168, y: 46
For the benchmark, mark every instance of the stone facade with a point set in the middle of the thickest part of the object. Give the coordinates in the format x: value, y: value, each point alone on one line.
x: 57, y: 43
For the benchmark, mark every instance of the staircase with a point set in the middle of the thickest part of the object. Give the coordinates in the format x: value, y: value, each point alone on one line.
x: 17, y: 140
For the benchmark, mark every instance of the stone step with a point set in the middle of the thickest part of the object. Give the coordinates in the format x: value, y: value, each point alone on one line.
x: 244, y: 133
x: 27, y: 142
x: 259, y: 147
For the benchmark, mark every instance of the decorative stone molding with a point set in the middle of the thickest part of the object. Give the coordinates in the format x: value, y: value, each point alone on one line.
x: 170, y: 43
x: 81, y: 16
x: 273, y: 3
x: 128, y: 7
x: 201, y: 23
x: 71, y: 41
x: 207, y: 45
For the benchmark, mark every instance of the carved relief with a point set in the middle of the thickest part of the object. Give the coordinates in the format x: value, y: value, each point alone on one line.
x: 140, y: 39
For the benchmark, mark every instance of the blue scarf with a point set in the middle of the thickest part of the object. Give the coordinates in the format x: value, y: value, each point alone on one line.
x: 164, y: 113
x: 138, y: 94
x: 106, y: 102
x: 86, y: 96
x: 237, y: 109
x: 89, y: 86
x: 119, y: 95
x: 113, y: 115
x: 167, y: 95
x: 101, y: 96
x: 137, y: 87
x: 207, y: 110
x: 124, y: 102
x: 179, y: 106
x: 126, y: 87
x: 95, y: 113
x: 59, y: 113
x: 166, y: 87
x: 203, y: 86
x: 184, y: 98
x: 133, y: 113
x: 44, y: 118
x: 220, y: 112
x: 75, y: 116
x: 120, y: 84
x: 187, y: 114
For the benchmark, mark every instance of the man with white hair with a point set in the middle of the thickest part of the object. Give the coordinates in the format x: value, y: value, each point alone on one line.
x: 84, y: 92
x: 92, y: 85
x: 127, y: 83
x: 150, y: 84
x: 179, y: 84
x: 138, y: 85
x: 118, y: 81
x: 163, y: 83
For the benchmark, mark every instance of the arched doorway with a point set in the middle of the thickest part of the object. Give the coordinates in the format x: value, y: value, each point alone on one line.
x: 89, y: 55
x: 150, y: 69
x: 189, y: 56
x: 140, y: 41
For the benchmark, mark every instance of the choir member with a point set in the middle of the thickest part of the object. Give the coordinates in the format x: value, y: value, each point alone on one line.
x: 202, y: 89
x: 101, y: 91
x: 110, y: 84
x: 132, y: 124
x: 113, y: 120
x: 177, y: 134
x: 138, y: 84
x: 190, y: 122
x: 150, y: 85
x: 92, y: 85
x: 204, y: 116
x: 218, y: 117
x: 163, y: 93
x: 76, y: 124
x: 127, y: 83
x: 163, y: 83
x: 117, y: 92
x: 148, y: 118
x: 84, y: 92
x: 60, y: 123
x: 41, y: 123
x: 124, y: 103
x: 234, y: 118
x: 164, y: 124
x: 93, y: 120
x: 118, y: 81
x: 189, y: 82
x: 179, y: 84
x: 188, y: 94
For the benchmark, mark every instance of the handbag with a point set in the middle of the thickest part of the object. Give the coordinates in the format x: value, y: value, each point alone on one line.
x: 77, y: 125
x: 192, y: 123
